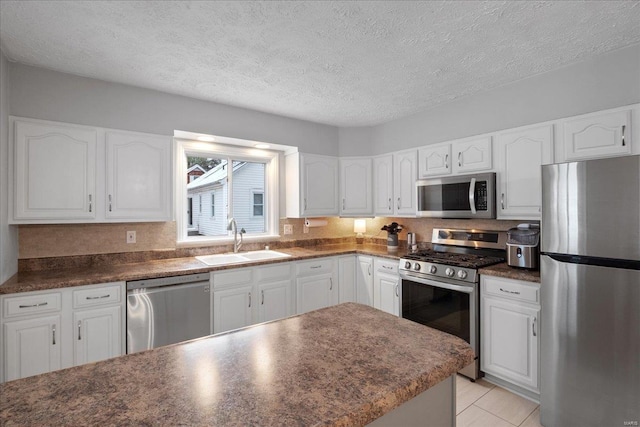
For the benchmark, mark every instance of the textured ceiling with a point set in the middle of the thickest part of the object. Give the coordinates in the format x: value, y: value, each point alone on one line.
x: 342, y: 63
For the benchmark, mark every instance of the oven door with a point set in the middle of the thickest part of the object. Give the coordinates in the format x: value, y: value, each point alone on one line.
x: 466, y: 196
x: 448, y: 307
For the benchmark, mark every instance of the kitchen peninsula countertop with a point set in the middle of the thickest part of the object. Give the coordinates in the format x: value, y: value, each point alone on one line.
x: 68, y: 277
x: 343, y: 365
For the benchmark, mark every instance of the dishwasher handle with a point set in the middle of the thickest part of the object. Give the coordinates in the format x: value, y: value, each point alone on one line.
x: 167, y: 281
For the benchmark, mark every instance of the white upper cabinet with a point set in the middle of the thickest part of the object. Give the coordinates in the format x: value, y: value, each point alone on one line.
x: 597, y: 135
x: 54, y: 171
x: 471, y: 155
x: 520, y: 153
x: 405, y: 173
x: 64, y: 173
x: 356, y: 195
x: 383, y: 185
x: 435, y: 160
x: 138, y: 176
x: 312, y: 185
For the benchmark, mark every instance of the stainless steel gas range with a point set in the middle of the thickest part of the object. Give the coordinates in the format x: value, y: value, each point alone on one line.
x: 440, y: 286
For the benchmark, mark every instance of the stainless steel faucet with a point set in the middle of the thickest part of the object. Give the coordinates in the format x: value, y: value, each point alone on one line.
x: 234, y: 227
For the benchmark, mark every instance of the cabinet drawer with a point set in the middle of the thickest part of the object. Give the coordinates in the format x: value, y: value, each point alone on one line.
x: 512, y: 289
x: 316, y: 266
x: 275, y: 272
x: 232, y: 277
x: 390, y: 267
x: 32, y: 304
x: 90, y: 297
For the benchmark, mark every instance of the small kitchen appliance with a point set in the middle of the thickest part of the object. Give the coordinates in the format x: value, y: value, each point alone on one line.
x: 440, y: 286
x: 523, y: 246
x: 463, y: 196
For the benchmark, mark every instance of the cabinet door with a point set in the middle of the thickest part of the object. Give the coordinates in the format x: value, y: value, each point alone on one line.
x: 595, y: 136
x: 520, y: 155
x: 97, y: 334
x: 471, y: 155
x: 347, y: 279
x: 54, y: 171
x: 356, y: 196
x: 386, y: 292
x: 383, y: 185
x: 364, y: 281
x: 314, y: 292
x: 319, y: 185
x: 31, y: 347
x: 434, y: 160
x: 275, y: 300
x: 510, y: 341
x: 138, y: 177
x: 232, y: 308
x: 404, y: 182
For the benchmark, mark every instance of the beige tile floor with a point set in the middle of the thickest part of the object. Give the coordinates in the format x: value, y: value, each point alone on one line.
x: 482, y: 404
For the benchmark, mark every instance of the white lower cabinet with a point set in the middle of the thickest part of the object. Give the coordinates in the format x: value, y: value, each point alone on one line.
x: 364, y: 280
x: 232, y: 308
x: 386, y: 286
x: 509, y: 331
x: 275, y: 300
x: 316, y: 285
x: 46, y: 331
x: 347, y: 276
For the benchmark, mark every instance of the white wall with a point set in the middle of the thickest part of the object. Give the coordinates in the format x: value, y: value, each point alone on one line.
x: 8, y: 234
x: 608, y: 81
x: 50, y: 95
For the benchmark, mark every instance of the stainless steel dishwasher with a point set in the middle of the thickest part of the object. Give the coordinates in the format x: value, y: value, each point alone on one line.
x: 167, y: 310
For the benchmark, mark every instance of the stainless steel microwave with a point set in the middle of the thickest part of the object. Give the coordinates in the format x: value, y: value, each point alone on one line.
x: 464, y: 196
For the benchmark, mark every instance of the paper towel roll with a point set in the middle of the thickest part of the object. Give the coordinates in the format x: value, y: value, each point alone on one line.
x: 315, y: 222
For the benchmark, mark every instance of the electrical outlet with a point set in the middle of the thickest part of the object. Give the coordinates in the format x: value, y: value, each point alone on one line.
x: 131, y: 236
x: 288, y: 229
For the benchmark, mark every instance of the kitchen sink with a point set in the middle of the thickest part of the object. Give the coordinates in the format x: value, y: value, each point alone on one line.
x: 237, y: 258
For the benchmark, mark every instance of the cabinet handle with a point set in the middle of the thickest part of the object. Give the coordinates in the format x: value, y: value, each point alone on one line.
x: 109, y: 202
x: 79, y: 329
x: 330, y: 283
x: 502, y: 201
x: 459, y: 161
x: 509, y: 292
x: 387, y: 267
x: 533, y: 327
x: 89, y: 202
x: 249, y: 299
x: 343, y: 203
x: 446, y: 161
x: 100, y: 297
x: 389, y: 203
x: 305, y: 203
x: 33, y: 305
x: 315, y: 266
x: 398, y: 203
x: 397, y: 294
x: 623, y: 128
x: 53, y: 328
x: 262, y: 297
x: 369, y: 269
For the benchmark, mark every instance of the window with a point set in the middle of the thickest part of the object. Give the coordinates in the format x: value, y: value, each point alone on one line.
x: 239, y: 183
x: 258, y: 204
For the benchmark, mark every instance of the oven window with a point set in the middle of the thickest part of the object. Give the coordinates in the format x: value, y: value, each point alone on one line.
x: 439, y: 308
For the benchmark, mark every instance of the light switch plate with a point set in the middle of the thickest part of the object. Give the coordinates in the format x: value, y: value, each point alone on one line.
x: 288, y: 229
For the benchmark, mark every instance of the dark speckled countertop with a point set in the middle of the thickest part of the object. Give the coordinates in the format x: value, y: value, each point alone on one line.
x: 343, y: 365
x: 67, y: 277
x: 503, y: 270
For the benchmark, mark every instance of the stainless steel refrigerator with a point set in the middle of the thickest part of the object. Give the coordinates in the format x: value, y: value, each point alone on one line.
x: 590, y: 293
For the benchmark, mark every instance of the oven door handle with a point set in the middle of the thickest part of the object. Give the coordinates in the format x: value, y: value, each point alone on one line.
x: 472, y: 196
x: 450, y: 286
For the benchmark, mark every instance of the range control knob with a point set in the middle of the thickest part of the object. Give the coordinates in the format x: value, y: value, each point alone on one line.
x: 416, y: 266
x: 407, y: 265
x: 462, y: 274
x: 433, y: 269
x: 450, y: 272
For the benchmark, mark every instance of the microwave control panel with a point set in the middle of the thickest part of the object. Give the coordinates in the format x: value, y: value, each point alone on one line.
x: 481, y: 196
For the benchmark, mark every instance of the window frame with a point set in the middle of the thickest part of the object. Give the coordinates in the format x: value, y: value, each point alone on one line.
x: 213, y: 204
x: 271, y: 202
x: 253, y: 202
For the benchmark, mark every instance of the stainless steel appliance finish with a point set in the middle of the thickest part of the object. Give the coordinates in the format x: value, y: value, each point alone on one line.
x: 440, y: 285
x: 167, y: 310
x: 464, y: 196
x: 523, y: 247
x: 590, y: 293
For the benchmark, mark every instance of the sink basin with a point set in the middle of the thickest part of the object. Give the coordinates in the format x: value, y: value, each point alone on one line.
x: 223, y: 259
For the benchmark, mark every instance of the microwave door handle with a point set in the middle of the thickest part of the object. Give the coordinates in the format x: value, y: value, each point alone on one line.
x: 472, y: 196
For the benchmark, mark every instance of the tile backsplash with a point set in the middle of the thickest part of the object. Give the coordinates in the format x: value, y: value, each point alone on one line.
x: 43, y: 241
